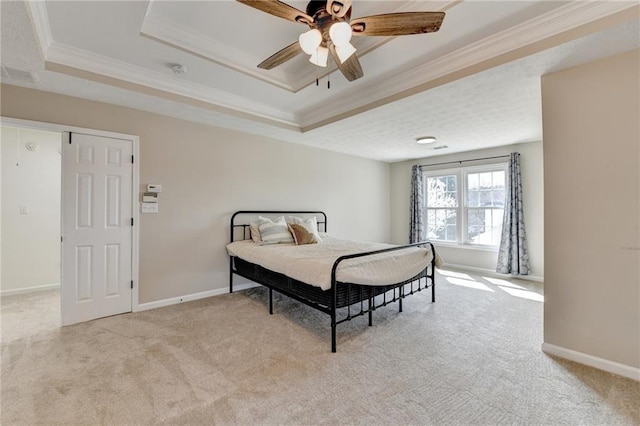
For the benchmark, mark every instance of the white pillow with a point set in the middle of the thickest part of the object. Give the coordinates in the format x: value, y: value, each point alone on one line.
x: 311, y: 225
x: 272, y: 232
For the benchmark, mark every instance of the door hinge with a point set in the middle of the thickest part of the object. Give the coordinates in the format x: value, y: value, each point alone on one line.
x: 131, y: 283
x: 70, y: 138
x: 131, y: 221
x: 132, y: 159
x: 61, y: 238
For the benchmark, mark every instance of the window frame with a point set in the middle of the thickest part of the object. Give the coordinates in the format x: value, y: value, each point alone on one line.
x: 462, y: 211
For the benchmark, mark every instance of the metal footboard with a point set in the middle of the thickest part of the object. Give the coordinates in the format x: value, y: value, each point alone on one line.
x: 399, y: 290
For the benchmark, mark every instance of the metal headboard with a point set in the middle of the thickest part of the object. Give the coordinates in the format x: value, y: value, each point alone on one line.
x: 322, y: 222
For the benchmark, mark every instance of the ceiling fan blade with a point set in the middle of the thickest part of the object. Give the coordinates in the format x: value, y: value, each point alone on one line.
x: 351, y: 68
x: 397, y: 24
x: 338, y: 8
x: 281, y: 57
x: 279, y: 9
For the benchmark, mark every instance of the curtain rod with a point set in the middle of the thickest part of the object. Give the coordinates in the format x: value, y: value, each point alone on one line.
x: 464, y: 161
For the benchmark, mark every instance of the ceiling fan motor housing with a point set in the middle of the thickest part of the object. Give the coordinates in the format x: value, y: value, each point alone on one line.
x: 315, y: 6
x: 322, y: 19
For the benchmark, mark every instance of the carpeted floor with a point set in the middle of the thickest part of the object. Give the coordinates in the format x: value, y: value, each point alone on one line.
x: 473, y: 357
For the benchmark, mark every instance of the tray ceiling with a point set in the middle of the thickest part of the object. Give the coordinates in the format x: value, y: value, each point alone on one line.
x: 483, y: 49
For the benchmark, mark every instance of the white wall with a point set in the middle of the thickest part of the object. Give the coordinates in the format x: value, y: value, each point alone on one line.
x: 533, y: 192
x: 30, y: 242
x: 207, y: 173
x: 592, y: 209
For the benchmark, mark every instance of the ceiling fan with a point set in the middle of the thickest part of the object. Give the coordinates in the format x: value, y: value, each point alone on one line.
x: 331, y: 28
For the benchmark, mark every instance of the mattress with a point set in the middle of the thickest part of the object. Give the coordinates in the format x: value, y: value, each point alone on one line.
x: 312, y: 263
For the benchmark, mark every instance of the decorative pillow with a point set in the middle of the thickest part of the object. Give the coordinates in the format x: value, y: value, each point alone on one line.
x: 274, y: 232
x: 311, y: 225
x: 255, y: 232
x: 301, y: 235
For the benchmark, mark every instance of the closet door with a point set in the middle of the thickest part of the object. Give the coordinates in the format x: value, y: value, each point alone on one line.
x: 97, y: 227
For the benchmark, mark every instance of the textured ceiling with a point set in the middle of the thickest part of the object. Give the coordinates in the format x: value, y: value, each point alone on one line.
x: 410, y: 86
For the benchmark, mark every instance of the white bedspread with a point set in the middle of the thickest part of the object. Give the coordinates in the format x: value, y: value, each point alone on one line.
x: 312, y: 263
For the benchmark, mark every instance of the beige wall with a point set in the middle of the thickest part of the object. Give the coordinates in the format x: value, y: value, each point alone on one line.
x: 532, y: 177
x: 30, y: 242
x: 592, y: 216
x: 209, y: 172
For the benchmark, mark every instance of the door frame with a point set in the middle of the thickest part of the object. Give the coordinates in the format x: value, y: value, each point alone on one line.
x: 135, y: 199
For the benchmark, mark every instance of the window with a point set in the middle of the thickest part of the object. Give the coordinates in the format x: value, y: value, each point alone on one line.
x: 466, y: 205
x: 442, y: 208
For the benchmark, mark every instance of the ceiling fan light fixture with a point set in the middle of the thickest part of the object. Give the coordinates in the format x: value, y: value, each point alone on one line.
x: 310, y: 41
x: 319, y: 57
x: 340, y: 33
x: 426, y: 139
x: 345, y: 51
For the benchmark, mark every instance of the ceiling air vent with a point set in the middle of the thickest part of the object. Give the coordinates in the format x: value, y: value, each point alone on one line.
x: 440, y: 147
x: 19, y: 76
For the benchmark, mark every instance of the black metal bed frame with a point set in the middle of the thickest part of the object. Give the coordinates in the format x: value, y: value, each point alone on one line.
x: 340, y: 295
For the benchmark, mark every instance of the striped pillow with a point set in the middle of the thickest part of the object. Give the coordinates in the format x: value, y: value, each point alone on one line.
x: 274, y: 232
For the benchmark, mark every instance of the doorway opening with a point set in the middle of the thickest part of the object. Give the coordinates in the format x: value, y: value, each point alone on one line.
x: 31, y: 194
x: 37, y: 208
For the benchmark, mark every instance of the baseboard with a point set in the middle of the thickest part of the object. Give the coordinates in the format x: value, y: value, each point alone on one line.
x: 29, y: 289
x: 493, y: 273
x: 191, y: 297
x: 593, y: 361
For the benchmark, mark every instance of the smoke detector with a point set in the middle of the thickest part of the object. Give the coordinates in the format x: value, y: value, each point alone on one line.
x: 178, y: 69
x: 32, y: 146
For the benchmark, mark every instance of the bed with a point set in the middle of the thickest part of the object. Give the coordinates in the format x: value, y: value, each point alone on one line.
x: 344, y: 279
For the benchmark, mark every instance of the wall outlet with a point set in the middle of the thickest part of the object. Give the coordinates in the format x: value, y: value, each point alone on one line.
x: 149, y: 208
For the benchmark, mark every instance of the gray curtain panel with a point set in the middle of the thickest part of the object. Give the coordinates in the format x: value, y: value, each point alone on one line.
x: 417, y: 230
x: 513, y: 257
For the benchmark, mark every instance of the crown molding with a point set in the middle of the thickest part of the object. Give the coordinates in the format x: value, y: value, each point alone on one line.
x: 37, y: 11
x: 65, y: 59
x: 565, y: 18
x: 213, y: 51
x: 207, y: 48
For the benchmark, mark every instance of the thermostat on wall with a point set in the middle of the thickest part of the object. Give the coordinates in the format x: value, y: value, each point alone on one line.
x: 154, y: 187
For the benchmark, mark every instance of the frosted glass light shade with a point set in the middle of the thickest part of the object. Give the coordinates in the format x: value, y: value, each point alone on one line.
x: 426, y: 139
x: 319, y: 56
x: 310, y: 41
x: 345, y: 51
x: 340, y: 33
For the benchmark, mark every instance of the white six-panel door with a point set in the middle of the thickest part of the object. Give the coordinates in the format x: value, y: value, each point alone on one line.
x: 97, y: 176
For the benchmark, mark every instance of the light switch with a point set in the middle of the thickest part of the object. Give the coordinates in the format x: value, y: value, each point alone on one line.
x: 149, y: 207
x: 24, y: 209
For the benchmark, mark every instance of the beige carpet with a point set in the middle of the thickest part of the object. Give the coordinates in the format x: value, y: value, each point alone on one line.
x: 473, y: 357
